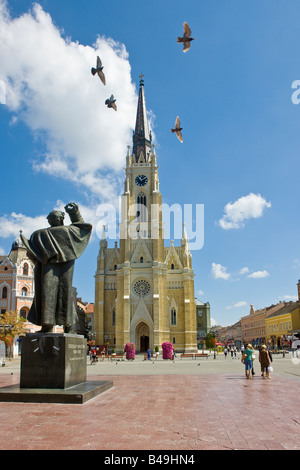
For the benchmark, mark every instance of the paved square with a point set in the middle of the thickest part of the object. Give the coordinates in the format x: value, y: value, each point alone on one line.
x: 174, y: 406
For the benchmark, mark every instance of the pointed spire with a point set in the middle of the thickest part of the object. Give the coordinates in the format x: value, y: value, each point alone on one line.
x: 184, y: 234
x: 142, y: 135
x: 103, y: 241
x: 185, y: 244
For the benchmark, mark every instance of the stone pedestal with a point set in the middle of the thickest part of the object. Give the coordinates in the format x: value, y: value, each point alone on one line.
x: 53, y: 361
x: 53, y: 370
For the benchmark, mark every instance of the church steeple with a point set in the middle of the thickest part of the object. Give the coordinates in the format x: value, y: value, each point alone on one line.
x: 142, y: 135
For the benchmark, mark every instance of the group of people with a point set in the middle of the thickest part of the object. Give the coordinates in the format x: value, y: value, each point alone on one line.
x: 232, y: 351
x: 265, y: 359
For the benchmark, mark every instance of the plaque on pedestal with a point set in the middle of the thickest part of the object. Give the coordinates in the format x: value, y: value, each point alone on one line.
x: 52, y: 360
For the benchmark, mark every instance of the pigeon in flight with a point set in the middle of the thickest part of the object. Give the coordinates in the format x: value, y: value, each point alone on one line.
x: 186, y: 39
x: 177, y: 129
x: 98, y: 70
x: 111, y: 103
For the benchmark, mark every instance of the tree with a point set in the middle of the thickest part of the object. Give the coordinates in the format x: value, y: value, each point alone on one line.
x: 11, y: 325
x: 210, y: 341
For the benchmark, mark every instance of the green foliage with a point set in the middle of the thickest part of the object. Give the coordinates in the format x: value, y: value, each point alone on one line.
x: 210, y: 341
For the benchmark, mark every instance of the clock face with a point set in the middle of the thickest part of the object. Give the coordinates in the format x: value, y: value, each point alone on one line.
x: 141, y: 180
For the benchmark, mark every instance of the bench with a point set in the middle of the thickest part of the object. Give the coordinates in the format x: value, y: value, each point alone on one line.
x: 194, y: 355
x: 201, y: 355
x: 116, y: 356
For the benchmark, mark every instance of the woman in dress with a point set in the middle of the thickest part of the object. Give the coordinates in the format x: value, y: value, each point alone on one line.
x: 265, y: 362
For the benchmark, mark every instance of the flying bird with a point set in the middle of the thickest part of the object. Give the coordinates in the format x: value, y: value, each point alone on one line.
x: 186, y: 39
x: 111, y: 103
x: 177, y: 129
x: 98, y: 70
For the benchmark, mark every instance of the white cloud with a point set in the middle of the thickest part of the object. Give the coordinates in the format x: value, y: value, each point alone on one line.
x: 289, y: 297
x: 10, y: 225
x: 219, y: 272
x: 200, y: 292
x: 239, y: 304
x: 49, y: 86
x: 212, y: 322
x: 244, y: 270
x: 244, y: 208
x: 2, y: 92
x: 259, y: 274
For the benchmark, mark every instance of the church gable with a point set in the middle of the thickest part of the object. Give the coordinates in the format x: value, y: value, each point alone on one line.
x: 6, y: 264
x: 141, y: 314
x: 112, y: 259
x: 172, y: 259
x: 141, y: 253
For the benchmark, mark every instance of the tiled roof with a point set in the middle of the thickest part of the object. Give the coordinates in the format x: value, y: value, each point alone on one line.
x: 288, y: 308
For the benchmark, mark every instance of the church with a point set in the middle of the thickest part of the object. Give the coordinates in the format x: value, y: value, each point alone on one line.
x: 144, y: 290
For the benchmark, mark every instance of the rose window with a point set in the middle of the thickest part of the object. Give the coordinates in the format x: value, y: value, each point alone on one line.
x: 141, y: 288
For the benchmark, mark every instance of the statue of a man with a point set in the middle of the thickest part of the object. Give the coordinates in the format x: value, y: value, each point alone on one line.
x: 54, y: 250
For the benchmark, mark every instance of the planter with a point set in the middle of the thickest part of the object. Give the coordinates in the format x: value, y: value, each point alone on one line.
x: 167, y: 350
x: 130, y: 351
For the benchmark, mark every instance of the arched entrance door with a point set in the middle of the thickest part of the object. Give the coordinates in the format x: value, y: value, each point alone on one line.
x: 142, y: 337
x: 144, y: 343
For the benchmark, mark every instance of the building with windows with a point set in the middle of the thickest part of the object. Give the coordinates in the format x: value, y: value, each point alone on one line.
x: 282, y: 325
x: 203, y: 322
x: 16, y: 280
x: 253, y: 326
x: 144, y: 290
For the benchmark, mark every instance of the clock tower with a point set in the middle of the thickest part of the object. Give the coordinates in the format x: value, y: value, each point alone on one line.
x: 144, y: 291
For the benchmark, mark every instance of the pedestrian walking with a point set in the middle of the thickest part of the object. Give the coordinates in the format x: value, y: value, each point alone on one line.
x: 149, y: 354
x: 247, y: 360
x: 253, y: 358
x: 225, y: 352
x: 231, y: 352
x: 173, y: 353
x: 234, y: 350
x: 265, y: 362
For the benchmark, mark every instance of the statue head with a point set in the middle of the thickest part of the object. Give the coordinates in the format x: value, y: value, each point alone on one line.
x: 56, y: 218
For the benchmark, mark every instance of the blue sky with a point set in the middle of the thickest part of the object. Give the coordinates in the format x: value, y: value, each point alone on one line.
x: 233, y: 93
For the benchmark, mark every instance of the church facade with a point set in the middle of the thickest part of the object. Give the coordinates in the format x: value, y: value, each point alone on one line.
x: 144, y: 290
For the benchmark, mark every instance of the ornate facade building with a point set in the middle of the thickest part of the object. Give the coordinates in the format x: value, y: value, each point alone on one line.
x: 16, y: 280
x: 144, y: 291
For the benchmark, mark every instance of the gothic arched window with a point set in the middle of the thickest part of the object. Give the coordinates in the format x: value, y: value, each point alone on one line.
x: 173, y: 316
x: 25, y: 269
x: 24, y: 292
x: 141, y: 199
x: 4, y: 292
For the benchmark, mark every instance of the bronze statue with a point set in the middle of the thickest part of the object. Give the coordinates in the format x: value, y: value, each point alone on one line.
x: 54, y: 250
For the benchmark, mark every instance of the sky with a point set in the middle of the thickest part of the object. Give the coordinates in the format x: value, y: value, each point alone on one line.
x: 237, y: 92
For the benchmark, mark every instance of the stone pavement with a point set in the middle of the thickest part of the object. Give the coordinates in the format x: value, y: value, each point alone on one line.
x: 160, y: 405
